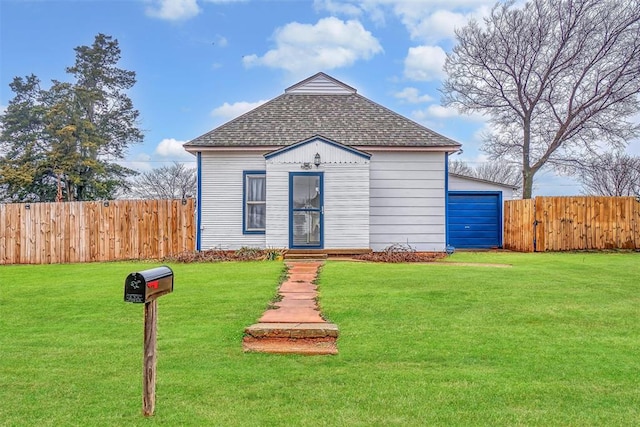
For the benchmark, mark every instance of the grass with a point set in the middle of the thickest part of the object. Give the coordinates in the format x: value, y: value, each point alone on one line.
x: 551, y: 340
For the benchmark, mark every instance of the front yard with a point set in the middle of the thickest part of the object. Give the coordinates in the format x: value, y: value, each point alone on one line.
x: 551, y: 340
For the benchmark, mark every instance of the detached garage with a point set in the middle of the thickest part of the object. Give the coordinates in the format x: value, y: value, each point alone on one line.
x: 474, y: 212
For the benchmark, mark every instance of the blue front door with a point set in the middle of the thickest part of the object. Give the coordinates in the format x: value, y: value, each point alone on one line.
x: 306, y: 210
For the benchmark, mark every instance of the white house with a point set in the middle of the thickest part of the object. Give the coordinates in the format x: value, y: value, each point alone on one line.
x: 321, y: 167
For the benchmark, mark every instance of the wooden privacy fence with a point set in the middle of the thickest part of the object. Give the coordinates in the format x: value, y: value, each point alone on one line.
x: 47, y: 233
x: 571, y: 223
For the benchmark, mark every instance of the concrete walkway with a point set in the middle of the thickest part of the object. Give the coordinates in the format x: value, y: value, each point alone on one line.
x: 294, y: 323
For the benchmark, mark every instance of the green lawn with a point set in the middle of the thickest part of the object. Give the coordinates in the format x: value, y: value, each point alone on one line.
x: 552, y: 340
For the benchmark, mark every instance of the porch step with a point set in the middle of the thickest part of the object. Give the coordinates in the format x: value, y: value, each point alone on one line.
x: 292, y: 330
x: 304, y: 346
x: 305, y: 256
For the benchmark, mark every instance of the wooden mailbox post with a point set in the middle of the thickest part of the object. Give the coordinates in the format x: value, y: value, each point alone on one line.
x: 146, y: 287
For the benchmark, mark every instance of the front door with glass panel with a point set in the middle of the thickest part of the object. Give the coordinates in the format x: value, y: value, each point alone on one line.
x: 305, y: 210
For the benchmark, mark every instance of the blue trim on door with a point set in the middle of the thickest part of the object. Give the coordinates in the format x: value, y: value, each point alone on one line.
x: 321, y: 210
x: 476, y: 221
x: 199, y: 202
x: 244, y: 201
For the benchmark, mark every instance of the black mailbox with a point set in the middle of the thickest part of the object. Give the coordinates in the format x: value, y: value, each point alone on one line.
x: 147, y: 285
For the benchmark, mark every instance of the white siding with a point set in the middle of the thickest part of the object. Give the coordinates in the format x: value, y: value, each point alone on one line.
x: 457, y: 183
x: 346, y: 206
x: 346, y: 195
x: 277, y: 206
x: 222, y: 182
x: 407, y: 203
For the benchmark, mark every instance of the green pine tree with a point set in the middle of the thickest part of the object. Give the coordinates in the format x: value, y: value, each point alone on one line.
x: 65, y: 140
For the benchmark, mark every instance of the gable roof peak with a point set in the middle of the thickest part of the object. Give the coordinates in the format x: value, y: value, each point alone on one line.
x: 320, y: 84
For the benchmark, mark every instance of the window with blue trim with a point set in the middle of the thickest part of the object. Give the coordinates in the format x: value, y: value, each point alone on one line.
x: 255, y: 202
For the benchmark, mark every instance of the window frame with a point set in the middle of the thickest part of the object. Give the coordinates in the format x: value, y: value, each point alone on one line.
x: 246, y: 176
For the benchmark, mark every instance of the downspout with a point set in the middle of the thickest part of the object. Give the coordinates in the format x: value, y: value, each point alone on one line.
x: 446, y: 201
x: 199, y: 203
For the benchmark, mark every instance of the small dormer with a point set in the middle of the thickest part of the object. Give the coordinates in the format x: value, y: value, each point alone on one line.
x: 320, y: 84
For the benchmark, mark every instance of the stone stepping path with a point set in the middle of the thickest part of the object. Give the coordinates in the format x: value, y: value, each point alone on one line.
x: 294, y: 323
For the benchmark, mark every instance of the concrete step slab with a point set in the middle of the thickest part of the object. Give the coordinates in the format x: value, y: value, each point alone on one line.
x: 303, y: 266
x: 292, y: 330
x: 299, y: 257
x: 308, y: 347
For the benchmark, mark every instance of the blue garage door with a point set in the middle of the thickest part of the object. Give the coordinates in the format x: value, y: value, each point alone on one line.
x: 474, y: 219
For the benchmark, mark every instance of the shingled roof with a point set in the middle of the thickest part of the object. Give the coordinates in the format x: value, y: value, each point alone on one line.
x: 321, y: 105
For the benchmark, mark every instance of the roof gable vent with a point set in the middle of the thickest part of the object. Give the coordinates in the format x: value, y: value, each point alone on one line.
x: 320, y: 84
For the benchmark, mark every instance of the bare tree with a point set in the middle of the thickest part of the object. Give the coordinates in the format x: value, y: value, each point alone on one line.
x: 554, y: 77
x: 611, y: 174
x: 460, y: 167
x: 167, y: 182
x: 495, y: 171
x: 502, y: 172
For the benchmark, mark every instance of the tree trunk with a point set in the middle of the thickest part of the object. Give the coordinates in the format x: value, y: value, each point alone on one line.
x: 527, y: 184
x: 527, y: 173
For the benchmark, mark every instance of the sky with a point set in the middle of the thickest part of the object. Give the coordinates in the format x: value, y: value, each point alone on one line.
x: 200, y: 63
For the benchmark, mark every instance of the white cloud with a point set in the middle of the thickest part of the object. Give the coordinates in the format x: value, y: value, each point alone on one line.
x: 173, y: 10
x: 429, y: 21
x: 471, y: 156
x: 481, y: 133
x: 436, y: 22
x: 338, y: 7
x: 412, y: 96
x: 166, y: 153
x: 424, y: 63
x: 171, y: 149
x: 439, y: 25
x: 435, y: 111
x: 330, y: 43
x: 221, y: 41
x: 440, y: 112
x: 373, y: 9
x: 231, y: 111
x: 140, y: 163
